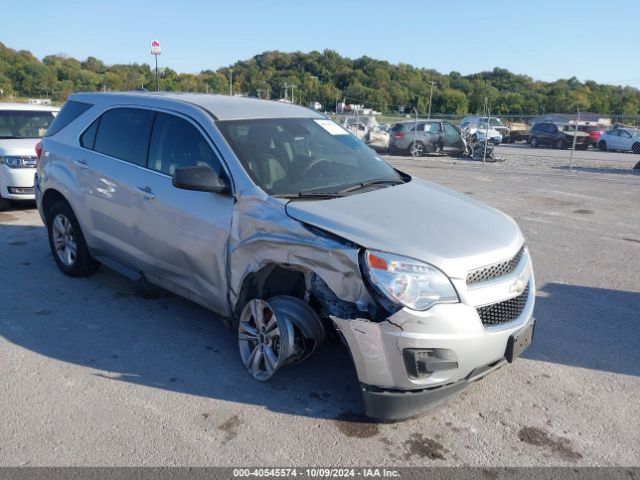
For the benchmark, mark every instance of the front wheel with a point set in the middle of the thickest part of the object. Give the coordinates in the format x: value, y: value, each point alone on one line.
x: 560, y: 144
x: 635, y: 148
x: 67, y: 242
x: 277, y: 332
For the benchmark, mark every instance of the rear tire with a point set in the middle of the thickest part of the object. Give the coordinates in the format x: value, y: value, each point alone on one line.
x: 417, y: 149
x: 560, y: 144
x: 602, y: 145
x: 67, y: 243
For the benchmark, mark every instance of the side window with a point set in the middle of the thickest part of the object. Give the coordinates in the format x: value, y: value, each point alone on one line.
x: 614, y: 133
x: 450, y: 130
x: 625, y: 134
x: 88, y: 138
x: 124, y: 133
x: 175, y: 143
x: 551, y: 128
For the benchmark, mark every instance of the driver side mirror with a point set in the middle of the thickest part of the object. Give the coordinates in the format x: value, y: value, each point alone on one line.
x: 199, y: 178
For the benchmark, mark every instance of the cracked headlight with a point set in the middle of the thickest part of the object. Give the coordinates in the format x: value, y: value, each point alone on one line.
x: 408, y: 282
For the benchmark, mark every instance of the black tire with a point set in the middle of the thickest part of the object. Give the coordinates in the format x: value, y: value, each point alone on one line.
x: 277, y: 332
x: 602, y: 145
x: 582, y: 147
x: 635, y: 148
x: 61, y: 218
x: 560, y: 144
x: 417, y: 149
x: 4, y: 204
x: 533, y: 141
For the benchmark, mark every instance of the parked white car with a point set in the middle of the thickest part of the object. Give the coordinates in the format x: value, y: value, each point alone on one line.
x: 480, y: 131
x: 21, y: 127
x: 620, y: 139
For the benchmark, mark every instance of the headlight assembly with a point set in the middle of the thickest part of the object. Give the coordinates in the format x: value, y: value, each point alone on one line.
x: 408, y: 282
x: 13, y: 161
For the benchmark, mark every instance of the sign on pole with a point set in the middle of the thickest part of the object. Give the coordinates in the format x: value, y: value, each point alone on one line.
x: 155, y: 47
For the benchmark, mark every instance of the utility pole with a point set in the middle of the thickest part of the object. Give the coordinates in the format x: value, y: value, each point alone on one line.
x: 292, y: 87
x: 575, y: 135
x: 486, y: 131
x: 285, y: 91
x: 231, y: 82
x: 430, y: 98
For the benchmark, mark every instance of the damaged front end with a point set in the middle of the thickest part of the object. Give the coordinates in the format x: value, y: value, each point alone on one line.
x: 414, y: 334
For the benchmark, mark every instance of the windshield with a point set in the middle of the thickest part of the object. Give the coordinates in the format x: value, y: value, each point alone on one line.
x: 494, y: 122
x: 24, y: 124
x: 290, y: 156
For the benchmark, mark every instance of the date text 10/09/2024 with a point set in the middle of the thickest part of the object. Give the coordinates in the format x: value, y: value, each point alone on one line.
x: 316, y: 472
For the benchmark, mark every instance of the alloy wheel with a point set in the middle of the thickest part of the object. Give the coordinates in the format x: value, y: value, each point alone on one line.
x: 64, y: 240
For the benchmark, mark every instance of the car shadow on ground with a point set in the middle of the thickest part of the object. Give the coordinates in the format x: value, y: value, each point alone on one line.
x: 117, y: 331
x: 147, y: 336
x: 587, y: 327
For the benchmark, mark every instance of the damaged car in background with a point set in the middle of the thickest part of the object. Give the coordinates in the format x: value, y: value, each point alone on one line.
x: 288, y: 227
x: 368, y: 130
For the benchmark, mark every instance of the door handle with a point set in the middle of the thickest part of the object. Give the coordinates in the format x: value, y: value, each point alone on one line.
x: 145, y: 192
x: 81, y: 163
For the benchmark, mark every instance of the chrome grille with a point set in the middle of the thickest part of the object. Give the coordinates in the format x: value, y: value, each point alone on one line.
x: 503, y: 312
x: 494, y: 271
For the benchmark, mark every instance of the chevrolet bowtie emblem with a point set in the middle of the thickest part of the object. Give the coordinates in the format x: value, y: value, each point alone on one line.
x: 517, y: 287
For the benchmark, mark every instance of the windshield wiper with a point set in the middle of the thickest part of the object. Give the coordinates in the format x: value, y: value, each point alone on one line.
x: 304, y: 194
x: 369, y: 183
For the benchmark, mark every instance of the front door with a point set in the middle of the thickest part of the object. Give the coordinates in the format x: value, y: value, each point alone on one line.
x: 452, y: 139
x: 183, y: 233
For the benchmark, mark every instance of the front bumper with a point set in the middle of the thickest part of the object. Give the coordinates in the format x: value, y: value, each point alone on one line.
x: 454, y: 332
x: 17, y: 183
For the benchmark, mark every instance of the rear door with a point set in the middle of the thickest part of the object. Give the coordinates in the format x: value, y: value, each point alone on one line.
x: 625, y: 140
x: 112, y: 166
x: 184, y: 234
x: 613, y: 139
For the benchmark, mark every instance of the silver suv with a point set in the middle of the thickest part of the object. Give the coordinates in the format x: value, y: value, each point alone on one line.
x: 286, y: 226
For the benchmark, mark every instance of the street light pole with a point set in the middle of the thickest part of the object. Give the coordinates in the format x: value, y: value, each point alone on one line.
x: 231, y: 82
x: 430, y: 98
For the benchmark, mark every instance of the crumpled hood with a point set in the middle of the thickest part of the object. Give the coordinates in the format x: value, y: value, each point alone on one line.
x: 420, y: 220
x: 18, y: 146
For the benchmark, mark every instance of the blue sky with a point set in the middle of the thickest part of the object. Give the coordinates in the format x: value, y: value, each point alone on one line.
x: 592, y: 40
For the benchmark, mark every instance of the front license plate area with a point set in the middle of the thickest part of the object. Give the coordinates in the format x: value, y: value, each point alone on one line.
x: 518, y: 343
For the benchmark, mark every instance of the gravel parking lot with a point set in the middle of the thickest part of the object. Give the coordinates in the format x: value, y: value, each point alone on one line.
x: 99, y: 372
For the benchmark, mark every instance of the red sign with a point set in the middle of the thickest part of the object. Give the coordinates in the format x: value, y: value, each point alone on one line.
x: 155, y: 47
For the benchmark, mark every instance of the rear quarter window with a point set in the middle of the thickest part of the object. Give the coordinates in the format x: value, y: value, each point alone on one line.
x: 70, y: 111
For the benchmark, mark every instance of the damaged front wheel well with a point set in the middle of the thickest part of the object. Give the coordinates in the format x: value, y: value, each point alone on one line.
x: 270, y: 281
